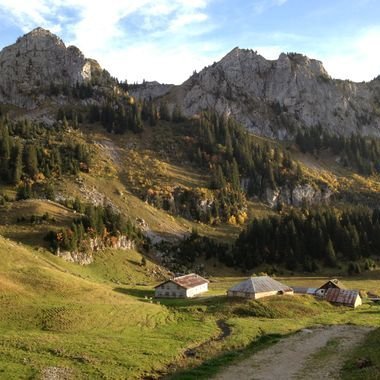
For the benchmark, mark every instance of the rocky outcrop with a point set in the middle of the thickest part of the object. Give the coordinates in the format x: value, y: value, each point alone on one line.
x: 93, y: 245
x: 274, y: 98
x: 148, y: 90
x: 82, y: 258
x: 199, y: 204
x: 193, y: 204
x: 37, y: 61
x: 299, y: 195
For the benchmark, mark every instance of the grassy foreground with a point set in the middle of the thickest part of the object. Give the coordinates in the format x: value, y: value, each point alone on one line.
x: 51, y: 316
x: 98, y: 322
x: 364, y: 362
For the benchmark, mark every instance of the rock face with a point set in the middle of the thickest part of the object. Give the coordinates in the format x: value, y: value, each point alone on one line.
x: 299, y: 195
x: 273, y: 98
x: 148, y: 90
x: 86, y: 257
x: 197, y: 204
x: 36, y: 61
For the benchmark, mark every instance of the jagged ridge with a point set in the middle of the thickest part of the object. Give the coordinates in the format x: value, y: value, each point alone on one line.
x: 274, y: 98
x: 36, y: 60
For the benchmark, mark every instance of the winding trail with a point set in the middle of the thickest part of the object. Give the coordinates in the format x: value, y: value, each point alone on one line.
x: 225, y: 331
x: 317, y: 353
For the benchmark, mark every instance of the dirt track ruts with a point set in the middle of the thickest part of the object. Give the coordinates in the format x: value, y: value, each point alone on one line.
x: 317, y: 353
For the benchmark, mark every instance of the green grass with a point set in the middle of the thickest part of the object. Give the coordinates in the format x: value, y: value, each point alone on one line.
x: 369, y: 354
x: 56, y: 314
x: 33, y: 233
x: 96, y: 322
x: 52, y: 315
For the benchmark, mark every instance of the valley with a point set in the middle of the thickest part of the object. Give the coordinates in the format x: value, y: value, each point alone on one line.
x: 98, y: 321
x: 106, y: 190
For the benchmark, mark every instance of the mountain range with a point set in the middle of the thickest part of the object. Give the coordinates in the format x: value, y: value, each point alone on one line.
x: 271, y: 98
x: 108, y: 188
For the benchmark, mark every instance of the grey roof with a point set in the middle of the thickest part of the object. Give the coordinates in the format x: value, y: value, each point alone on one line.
x: 303, y: 290
x: 260, y: 284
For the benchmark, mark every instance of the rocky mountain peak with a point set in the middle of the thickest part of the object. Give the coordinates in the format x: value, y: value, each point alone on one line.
x: 39, y: 33
x: 277, y: 97
x: 36, y: 61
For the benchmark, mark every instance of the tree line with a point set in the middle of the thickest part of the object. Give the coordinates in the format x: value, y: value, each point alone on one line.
x: 121, y: 114
x: 304, y: 239
x: 31, y: 151
x: 95, y: 222
x: 232, y: 153
x: 356, y: 151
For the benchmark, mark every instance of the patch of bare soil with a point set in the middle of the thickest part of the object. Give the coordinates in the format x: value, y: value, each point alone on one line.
x: 57, y: 373
x: 317, y: 353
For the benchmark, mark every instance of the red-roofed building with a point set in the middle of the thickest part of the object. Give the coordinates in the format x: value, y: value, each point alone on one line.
x: 343, y: 297
x: 182, y: 287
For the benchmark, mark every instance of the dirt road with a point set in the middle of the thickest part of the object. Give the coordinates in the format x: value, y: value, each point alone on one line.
x: 317, y: 353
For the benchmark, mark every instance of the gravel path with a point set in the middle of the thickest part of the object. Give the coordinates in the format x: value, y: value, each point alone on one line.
x: 317, y: 353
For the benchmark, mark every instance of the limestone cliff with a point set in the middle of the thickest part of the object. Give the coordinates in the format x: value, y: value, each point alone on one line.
x: 93, y: 245
x: 36, y: 61
x: 148, y: 90
x: 274, y: 98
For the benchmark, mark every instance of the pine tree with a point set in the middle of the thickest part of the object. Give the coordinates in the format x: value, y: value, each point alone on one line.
x: 164, y: 111
x: 235, y: 177
x: 16, y: 160
x: 330, y: 254
x: 228, y: 144
x: 4, y: 143
x: 31, y: 163
x: 220, y: 181
x: 177, y: 114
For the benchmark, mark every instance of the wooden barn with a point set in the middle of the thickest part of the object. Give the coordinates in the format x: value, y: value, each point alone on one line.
x: 343, y: 297
x: 259, y: 287
x: 330, y: 284
x: 182, y: 287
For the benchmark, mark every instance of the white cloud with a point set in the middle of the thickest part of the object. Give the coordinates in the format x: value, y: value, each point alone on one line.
x: 175, y: 66
x: 187, y: 19
x: 356, y: 58
x: 270, y: 52
x: 27, y: 14
x: 107, y: 31
x: 164, y: 40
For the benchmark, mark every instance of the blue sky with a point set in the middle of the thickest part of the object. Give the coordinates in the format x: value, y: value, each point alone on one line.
x: 166, y: 40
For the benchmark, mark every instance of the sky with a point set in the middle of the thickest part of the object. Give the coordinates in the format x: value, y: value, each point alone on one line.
x: 166, y: 40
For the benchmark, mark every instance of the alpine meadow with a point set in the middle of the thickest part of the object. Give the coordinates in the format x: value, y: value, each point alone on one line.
x: 226, y: 227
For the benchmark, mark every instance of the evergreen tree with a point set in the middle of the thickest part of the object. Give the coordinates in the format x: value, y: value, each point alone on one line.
x: 177, y: 116
x: 31, y: 162
x: 164, y: 111
x: 330, y: 254
x: 235, y: 177
x: 16, y: 160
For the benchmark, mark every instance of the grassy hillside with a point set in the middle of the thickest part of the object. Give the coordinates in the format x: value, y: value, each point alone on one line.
x: 29, y: 220
x: 95, y: 321
x: 54, y: 317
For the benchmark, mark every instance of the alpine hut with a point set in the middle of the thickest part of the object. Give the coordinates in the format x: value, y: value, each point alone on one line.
x: 182, y: 287
x: 330, y: 284
x: 343, y: 297
x: 259, y: 287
